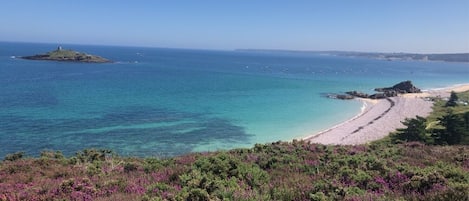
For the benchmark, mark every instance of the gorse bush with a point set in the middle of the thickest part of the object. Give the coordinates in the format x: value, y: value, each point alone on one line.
x: 14, y: 156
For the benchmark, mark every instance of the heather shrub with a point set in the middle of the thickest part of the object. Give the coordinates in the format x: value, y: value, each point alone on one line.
x: 160, y: 190
x: 280, y: 171
x: 425, y: 182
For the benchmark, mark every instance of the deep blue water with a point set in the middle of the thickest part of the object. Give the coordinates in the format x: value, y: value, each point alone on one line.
x: 164, y: 102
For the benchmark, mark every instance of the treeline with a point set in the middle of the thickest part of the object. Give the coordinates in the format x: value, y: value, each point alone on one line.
x: 449, y: 127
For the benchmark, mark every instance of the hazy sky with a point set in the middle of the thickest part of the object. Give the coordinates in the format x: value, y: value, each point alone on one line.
x: 426, y: 26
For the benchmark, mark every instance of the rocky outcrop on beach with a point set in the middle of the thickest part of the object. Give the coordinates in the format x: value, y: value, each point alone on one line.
x: 402, y: 88
x: 386, y: 92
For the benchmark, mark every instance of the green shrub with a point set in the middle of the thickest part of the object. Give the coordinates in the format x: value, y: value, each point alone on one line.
x: 14, y: 156
x: 130, y: 167
x: 93, y: 155
x: 198, y: 194
x: 318, y: 196
x: 52, y: 155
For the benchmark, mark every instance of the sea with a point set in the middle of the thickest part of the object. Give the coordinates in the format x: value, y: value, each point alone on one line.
x: 162, y: 102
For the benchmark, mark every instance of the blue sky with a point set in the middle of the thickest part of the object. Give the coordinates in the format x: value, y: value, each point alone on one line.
x: 427, y: 26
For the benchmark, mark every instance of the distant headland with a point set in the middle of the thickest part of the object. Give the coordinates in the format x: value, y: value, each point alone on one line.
x: 69, y: 56
x: 450, y: 57
x: 456, y: 57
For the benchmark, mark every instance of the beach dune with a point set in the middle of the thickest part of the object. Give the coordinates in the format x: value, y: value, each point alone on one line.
x: 380, y: 117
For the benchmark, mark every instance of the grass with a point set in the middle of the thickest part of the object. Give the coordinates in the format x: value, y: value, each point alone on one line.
x: 440, y: 110
x: 64, y: 53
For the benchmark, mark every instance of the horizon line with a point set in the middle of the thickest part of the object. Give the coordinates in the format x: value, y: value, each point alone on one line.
x: 237, y: 49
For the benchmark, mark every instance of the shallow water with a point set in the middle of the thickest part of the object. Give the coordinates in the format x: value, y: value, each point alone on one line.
x: 165, y: 102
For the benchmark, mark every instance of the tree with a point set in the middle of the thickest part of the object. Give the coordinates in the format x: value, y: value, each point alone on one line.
x: 452, y: 100
x: 414, y: 131
x: 455, y: 128
x: 465, y: 139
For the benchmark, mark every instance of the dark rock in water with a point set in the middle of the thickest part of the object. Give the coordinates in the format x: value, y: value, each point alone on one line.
x: 339, y: 96
x: 402, y: 87
x: 357, y: 94
x: 344, y: 97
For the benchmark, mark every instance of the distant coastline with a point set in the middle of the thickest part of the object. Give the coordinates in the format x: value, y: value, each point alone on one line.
x: 448, y: 57
x: 454, y: 57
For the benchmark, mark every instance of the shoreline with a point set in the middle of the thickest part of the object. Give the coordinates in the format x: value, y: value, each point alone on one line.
x: 378, y: 118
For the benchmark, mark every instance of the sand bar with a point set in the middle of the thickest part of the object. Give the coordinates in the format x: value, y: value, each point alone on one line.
x: 380, y: 117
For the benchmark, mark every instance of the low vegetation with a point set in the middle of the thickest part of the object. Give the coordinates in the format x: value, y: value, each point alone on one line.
x: 397, y: 168
x: 279, y: 171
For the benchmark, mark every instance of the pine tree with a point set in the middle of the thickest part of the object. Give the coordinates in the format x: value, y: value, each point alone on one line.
x: 414, y: 131
x: 452, y: 100
x: 465, y: 139
x: 455, y: 128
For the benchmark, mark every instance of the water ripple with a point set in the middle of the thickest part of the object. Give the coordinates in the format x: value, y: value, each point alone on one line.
x: 139, y: 131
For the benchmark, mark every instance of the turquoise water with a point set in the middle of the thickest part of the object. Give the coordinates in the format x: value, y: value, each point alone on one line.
x: 165, y: 102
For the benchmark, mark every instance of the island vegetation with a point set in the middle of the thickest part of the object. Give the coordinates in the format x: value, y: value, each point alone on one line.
x: 428, y: 160
x: 68, y: 55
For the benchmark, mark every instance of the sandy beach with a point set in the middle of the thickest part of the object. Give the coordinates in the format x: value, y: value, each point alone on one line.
x: 380, y: 117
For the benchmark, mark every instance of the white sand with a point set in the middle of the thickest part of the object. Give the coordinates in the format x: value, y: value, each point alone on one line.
x: 380, y: 117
